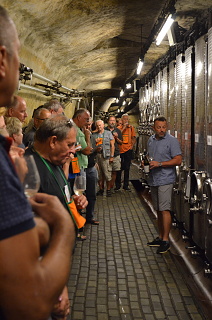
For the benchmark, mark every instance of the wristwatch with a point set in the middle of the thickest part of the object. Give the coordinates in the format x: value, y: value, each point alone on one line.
x: 160, y: 164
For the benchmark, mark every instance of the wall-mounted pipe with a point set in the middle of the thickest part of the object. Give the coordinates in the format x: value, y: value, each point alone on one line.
x: 45, y: 92
x: 38, y: 76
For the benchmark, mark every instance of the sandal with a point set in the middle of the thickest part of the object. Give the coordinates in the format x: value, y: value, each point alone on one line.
x: 81, y: 237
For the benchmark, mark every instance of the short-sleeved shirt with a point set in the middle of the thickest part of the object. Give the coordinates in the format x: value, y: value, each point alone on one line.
x: 164, y: 149
x: 117, y: 150
x: 105, y: 137
x: 127, y: 136
x: 82, y: 158
x: 15, y: 212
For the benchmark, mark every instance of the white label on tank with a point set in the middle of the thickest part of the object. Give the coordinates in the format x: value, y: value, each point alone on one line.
x: 175, y: 134
x: 209, y: 140
x: 186, y: 135
x: 196, y: 137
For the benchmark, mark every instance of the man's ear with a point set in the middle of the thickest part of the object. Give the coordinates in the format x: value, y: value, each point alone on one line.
x: 10, y: 112
x: 52, y: 141
x: 3, y: 61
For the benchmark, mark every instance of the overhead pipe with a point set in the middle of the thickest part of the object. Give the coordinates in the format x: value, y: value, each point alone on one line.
x: 54, y: 83
x: 38, y: 76
x: 46, y: 92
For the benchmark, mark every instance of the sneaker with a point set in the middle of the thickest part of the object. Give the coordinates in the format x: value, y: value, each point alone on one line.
x: 92, y: 221
x: 164, y: 247
x: 127, y: 189
x: 116, y: 189
x: 155, y: 243
x: 109, y: 193
x: 100, y: 192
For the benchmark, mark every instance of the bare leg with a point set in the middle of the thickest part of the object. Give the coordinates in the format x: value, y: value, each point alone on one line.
x: 160, y: 224
x: 112, y: 181
x: 108, y: 185
x: 166, y: 222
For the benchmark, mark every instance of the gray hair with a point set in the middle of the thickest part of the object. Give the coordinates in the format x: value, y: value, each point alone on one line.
x: 37, y: 112
x: 13, y: 125
x: 99, y: 120
x: 79, y: 112
x: 125, y: 115
x: 6, y: 32
x: 54, y: 105
x: 58, y: 126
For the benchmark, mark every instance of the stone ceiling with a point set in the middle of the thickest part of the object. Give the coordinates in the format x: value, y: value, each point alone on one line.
x: 92, y: 44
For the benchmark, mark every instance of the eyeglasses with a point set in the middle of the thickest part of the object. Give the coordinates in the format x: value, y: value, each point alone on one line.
x: 42, y: 119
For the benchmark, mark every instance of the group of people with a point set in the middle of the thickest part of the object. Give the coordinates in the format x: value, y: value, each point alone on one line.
x: 36, y: 234
x: 32, y: 285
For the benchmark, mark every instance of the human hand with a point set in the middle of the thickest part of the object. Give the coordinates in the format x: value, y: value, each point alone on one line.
x: 17, y: 155
x: 98, y: 149
x: 50, y: 209
x: 62, y: 308
x: 81, y: 202
x: 115, y: 134
x: 153, y: 164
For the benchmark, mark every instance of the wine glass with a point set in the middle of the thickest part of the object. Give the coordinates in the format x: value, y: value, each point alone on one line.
x: 80, y: 183
x: 31, y: 182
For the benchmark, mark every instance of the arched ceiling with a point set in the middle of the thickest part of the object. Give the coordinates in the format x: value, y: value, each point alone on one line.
x: 92, y: 44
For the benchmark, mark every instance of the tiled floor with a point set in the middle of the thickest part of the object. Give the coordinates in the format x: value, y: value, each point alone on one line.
x: 116, y: 276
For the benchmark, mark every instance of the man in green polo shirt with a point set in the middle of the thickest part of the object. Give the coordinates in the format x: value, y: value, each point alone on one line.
x: 81, y: 118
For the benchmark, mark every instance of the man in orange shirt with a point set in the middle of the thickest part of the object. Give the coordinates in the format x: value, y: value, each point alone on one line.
x: 129, y: 139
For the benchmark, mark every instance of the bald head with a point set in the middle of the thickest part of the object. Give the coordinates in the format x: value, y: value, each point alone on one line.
x: 17, y: 109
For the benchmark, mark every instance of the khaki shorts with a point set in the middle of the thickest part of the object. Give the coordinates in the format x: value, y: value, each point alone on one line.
x: 104, y: 168
x: 162, y: 197
x: 116, y: 164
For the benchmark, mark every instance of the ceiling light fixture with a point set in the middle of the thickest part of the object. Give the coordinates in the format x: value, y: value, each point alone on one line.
x: 141, y: 59
x: 121, y: 92
x: 139, y: 66
x: 164, y: 29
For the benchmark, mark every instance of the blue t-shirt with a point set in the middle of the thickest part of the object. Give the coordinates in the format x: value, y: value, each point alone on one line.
x: 15, y: 212
x: 164, y: 149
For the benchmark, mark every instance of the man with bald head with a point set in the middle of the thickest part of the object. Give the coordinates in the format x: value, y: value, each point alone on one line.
x: 39, y: 116
x: 17, y: 109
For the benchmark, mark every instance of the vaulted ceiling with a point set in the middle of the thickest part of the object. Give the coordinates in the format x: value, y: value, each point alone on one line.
x: 93, y: 44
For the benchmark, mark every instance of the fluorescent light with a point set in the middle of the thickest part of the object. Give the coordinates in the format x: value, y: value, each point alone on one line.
x: 121, y: 92
x: 164, y: 30
x: 139, y: 67
x: 128, y: 85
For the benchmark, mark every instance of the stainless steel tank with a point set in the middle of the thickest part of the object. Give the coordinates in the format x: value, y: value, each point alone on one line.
x: 198, y: 177
x: 197, y: 212
x: 180, y: 174
x: 186, y: 137
x: 207, y: 187
x: 207, y: 207
x: 164, y: 91
x: 171, y: 111
x: 208, y: 122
